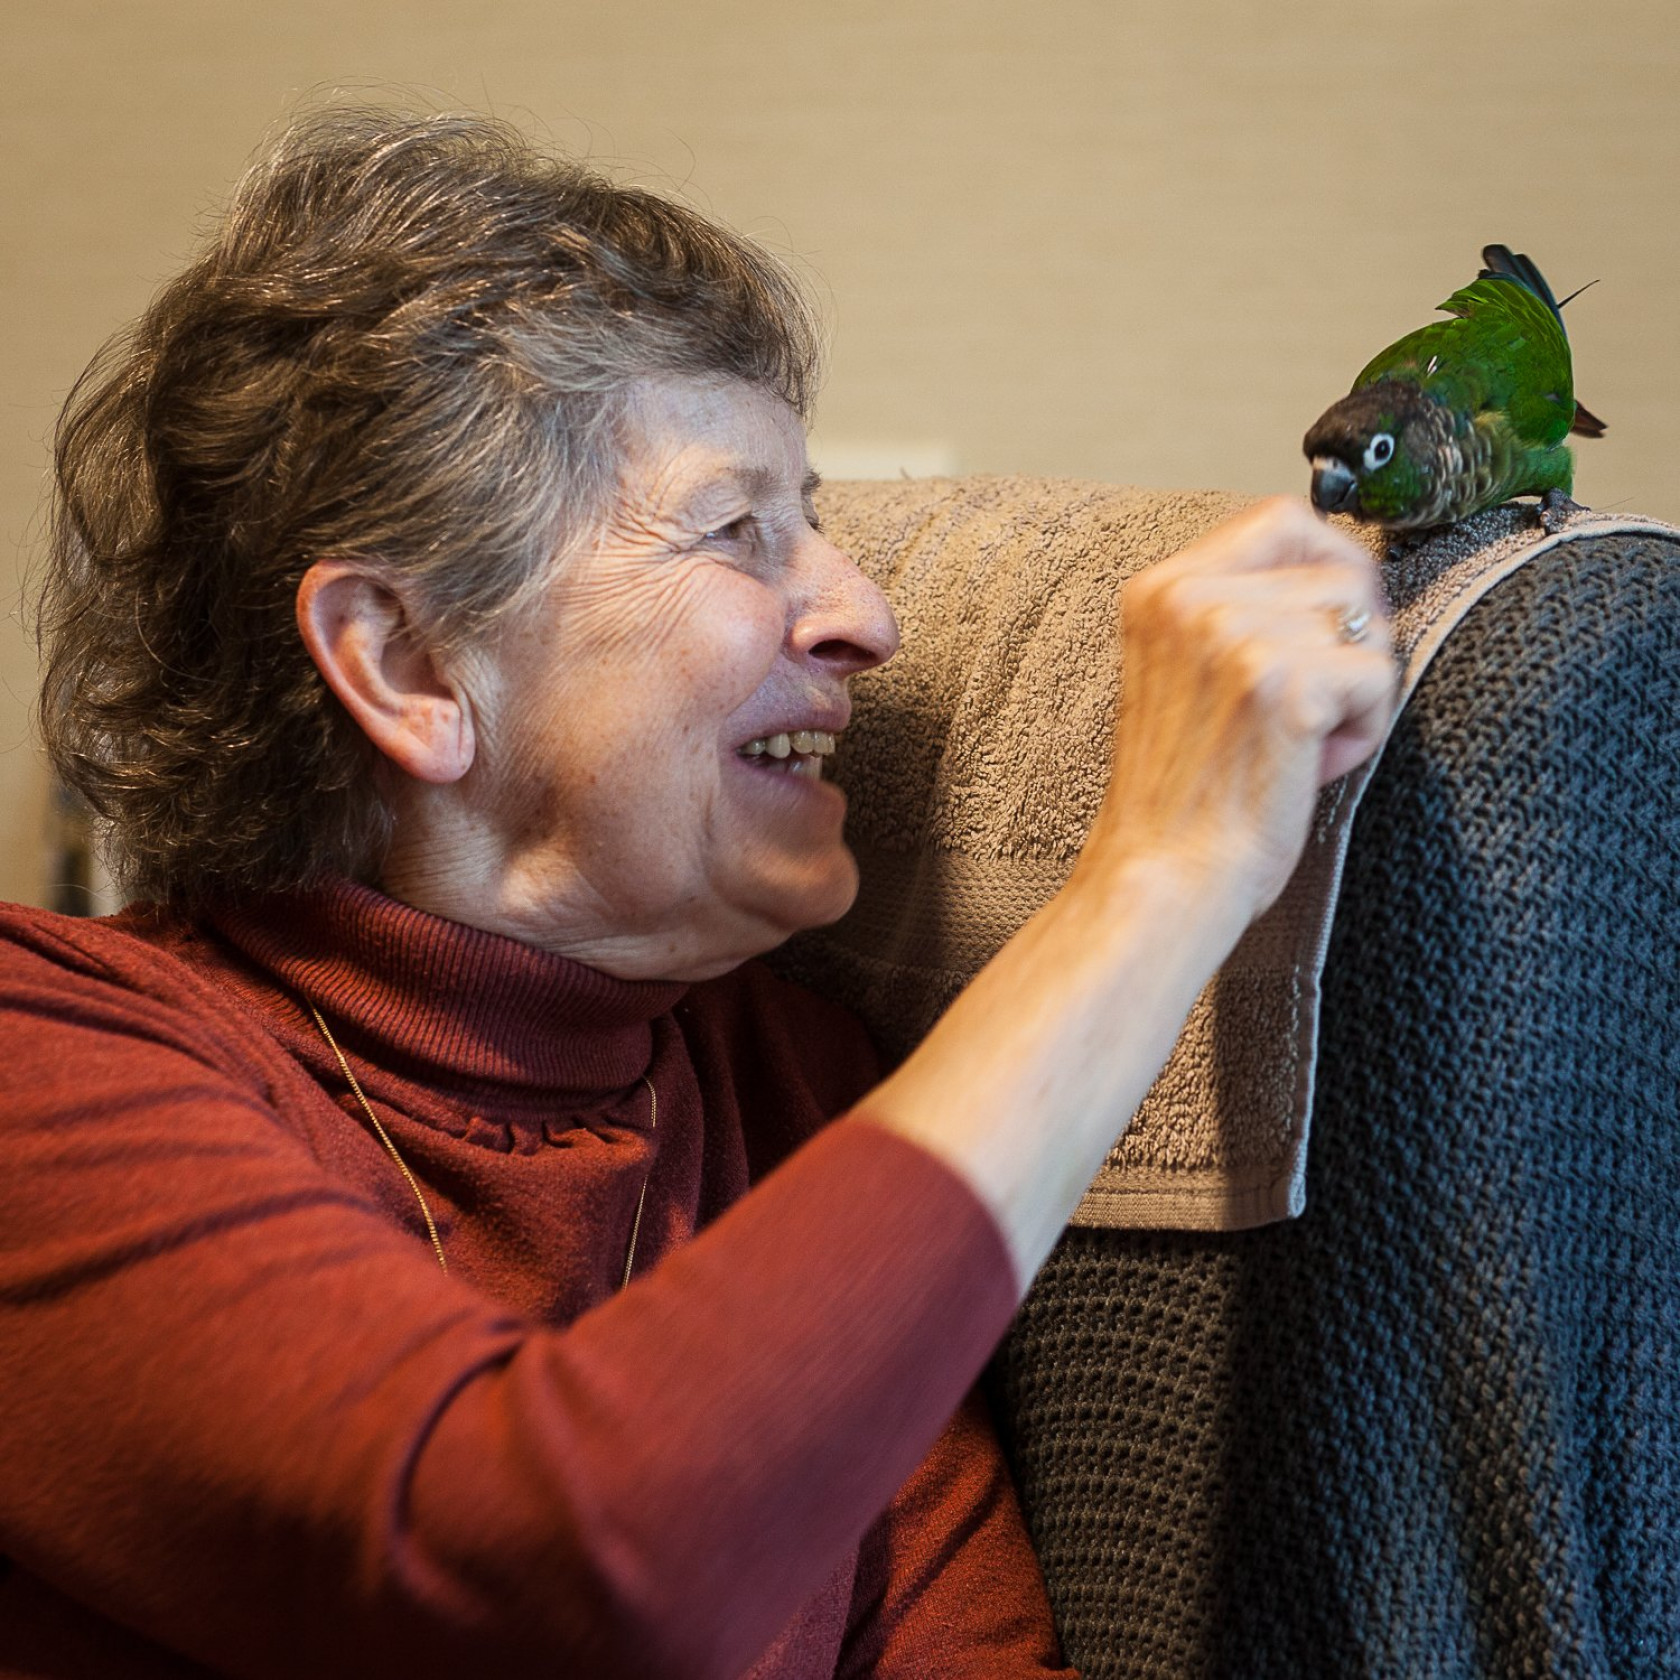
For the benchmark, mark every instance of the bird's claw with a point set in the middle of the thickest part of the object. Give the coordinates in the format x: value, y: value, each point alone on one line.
x: 1556, y: 510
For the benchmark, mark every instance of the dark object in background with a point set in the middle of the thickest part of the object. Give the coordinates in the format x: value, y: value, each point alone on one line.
x: 77, y: 884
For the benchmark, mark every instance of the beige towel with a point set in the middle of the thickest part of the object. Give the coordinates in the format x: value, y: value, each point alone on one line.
x: 976, y: 761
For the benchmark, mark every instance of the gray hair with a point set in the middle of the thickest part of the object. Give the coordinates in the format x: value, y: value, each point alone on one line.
x: 409, y: 344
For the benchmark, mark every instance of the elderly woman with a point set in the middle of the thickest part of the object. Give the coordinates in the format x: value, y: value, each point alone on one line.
x: 423, y: 1246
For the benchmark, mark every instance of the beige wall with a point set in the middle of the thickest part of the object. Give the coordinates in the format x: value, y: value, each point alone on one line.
x: 1136, y: 241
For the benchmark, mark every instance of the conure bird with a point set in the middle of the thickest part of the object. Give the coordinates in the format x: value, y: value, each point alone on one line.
x: 1460, y: 415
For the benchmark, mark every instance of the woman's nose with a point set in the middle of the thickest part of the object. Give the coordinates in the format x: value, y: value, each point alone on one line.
x: 840, y: 617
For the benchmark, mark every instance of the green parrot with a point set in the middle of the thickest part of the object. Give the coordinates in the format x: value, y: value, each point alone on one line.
x: 1460, y: 415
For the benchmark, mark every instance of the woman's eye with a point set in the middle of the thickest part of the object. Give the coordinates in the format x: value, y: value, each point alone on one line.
x: 737, y: 530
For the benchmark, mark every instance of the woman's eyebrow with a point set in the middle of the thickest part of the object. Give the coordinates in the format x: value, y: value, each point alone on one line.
x: 755, y: 482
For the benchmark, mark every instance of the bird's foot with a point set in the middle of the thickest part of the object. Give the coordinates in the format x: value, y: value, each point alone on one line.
x: 1556, y: 511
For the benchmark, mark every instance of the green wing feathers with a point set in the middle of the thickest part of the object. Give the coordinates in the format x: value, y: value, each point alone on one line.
x: 1504, y: 351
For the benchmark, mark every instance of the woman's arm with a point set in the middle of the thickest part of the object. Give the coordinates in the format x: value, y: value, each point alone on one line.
x: 245, y: 1416
x: 1241, y: 699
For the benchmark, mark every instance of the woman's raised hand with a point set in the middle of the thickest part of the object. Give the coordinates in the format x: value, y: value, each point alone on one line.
x: 1257, y: 666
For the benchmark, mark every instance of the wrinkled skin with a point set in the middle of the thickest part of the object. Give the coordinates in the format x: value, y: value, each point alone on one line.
x: 580, y: 785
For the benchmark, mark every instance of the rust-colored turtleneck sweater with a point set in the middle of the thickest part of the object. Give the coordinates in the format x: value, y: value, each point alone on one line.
x: 249, y: 1427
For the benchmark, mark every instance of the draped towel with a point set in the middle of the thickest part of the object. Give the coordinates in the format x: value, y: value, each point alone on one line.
x: 977, y: 759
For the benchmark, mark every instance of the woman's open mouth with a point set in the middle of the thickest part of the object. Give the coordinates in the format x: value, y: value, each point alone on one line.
x: 799, y: 753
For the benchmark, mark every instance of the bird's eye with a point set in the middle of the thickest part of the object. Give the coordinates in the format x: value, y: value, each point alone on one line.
x: 1379, y: 451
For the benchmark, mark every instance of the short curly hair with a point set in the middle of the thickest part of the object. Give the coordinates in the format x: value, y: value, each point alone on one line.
x: 409, y: 343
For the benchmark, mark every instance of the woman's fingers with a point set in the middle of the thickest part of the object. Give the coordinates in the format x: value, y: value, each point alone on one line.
x: 1323, y: 609
x: 1329, y: 625
x: 1258, y: 664
x: 1367, y: 706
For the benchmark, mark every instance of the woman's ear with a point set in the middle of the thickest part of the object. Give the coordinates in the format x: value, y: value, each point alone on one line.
x: 360, y: 636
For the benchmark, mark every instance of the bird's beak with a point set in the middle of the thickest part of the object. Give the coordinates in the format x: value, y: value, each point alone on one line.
x: 1334, y: 488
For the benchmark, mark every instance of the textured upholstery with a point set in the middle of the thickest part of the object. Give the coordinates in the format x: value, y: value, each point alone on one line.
x: 1432, y: 1428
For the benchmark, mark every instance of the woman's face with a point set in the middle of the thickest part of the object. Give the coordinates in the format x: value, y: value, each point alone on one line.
x: 633, y: 830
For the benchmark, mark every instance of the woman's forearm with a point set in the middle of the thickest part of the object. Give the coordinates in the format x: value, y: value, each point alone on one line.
x: 1028, y: 1079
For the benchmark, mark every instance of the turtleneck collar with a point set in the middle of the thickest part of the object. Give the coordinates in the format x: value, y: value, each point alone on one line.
x: 459, y: 1005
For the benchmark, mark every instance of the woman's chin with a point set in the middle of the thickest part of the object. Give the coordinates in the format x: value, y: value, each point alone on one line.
x: 793, y: 861
x: 829, y: 900
x: 785, y: 897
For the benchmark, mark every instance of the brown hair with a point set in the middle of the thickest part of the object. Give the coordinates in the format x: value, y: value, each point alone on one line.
x: 407, y: 343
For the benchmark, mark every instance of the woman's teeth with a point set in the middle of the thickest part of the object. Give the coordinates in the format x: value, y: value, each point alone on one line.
x: 799, y: 753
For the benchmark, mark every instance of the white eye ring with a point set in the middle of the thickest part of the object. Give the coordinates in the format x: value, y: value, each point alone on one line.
x: 1379, y: 451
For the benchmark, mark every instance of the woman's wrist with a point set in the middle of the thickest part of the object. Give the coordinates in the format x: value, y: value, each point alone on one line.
x: 1200, y: 903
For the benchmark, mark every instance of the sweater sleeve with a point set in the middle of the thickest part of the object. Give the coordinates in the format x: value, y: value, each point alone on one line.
x: 947, y: 1582
x: 245, y: 1417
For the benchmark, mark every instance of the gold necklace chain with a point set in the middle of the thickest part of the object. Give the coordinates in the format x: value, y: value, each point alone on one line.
x: 414, y: 1183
